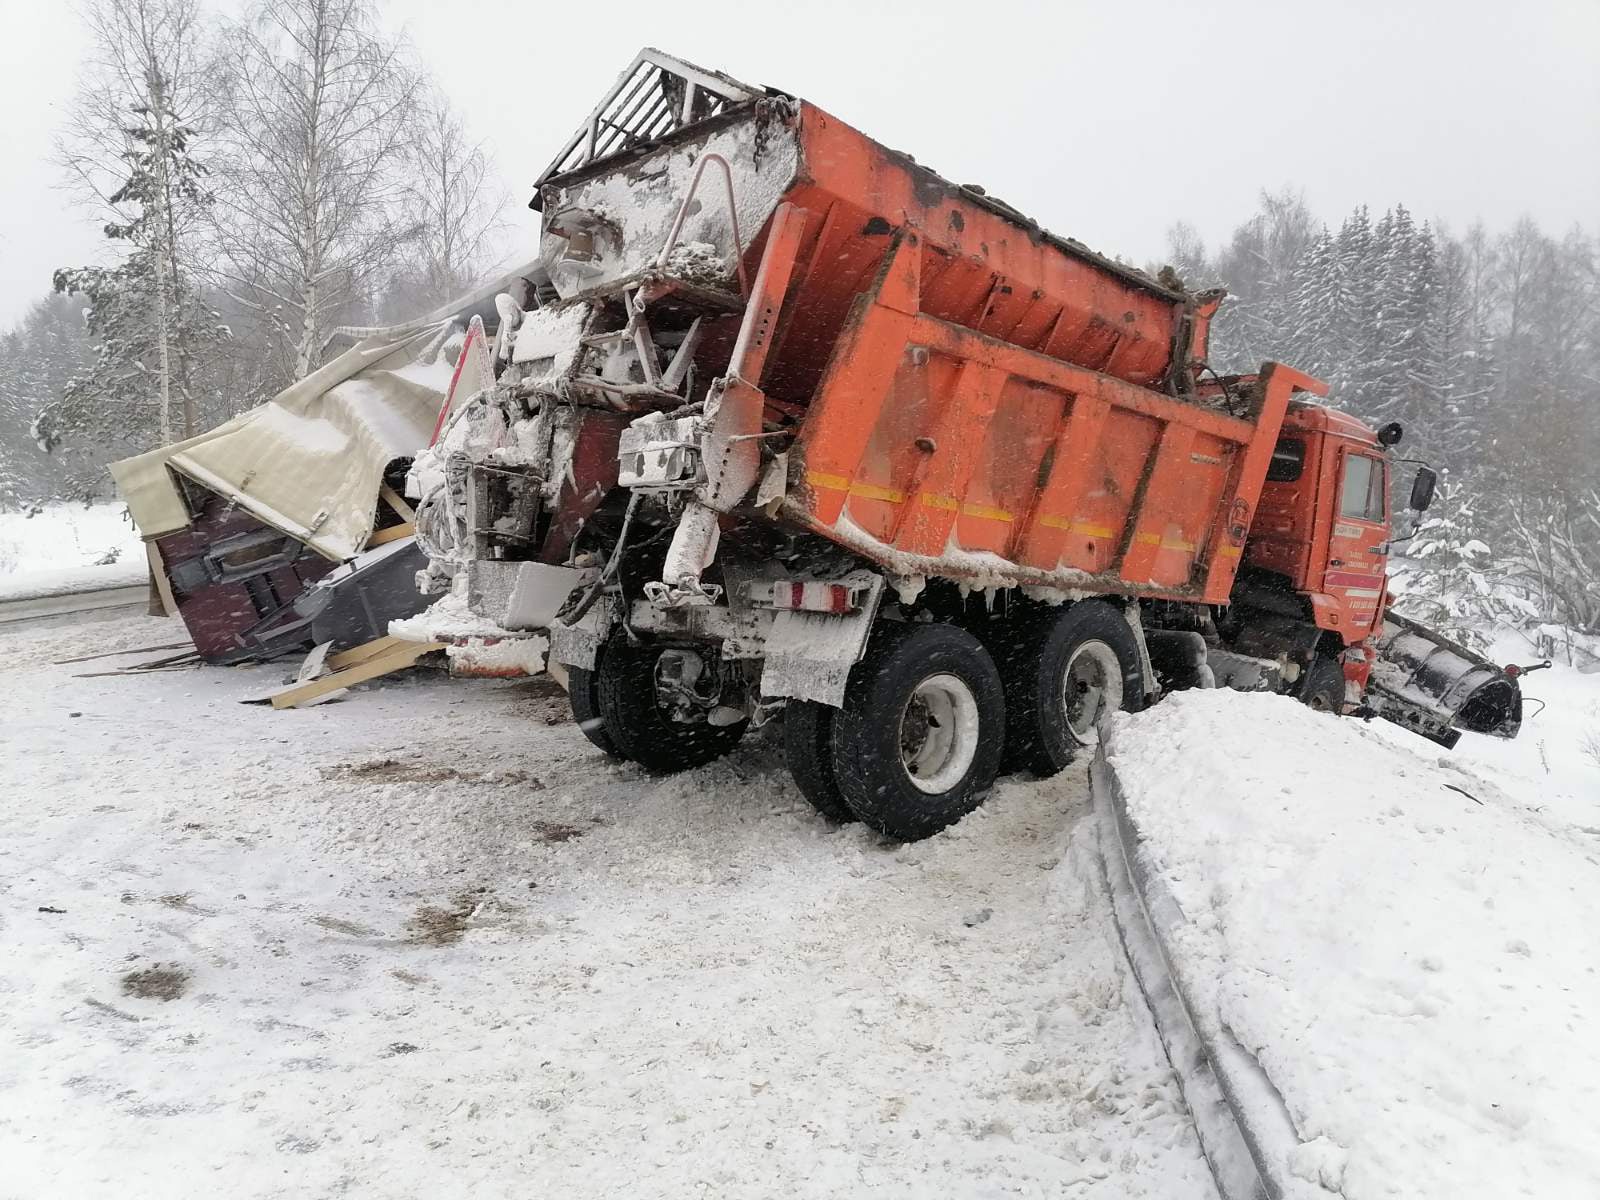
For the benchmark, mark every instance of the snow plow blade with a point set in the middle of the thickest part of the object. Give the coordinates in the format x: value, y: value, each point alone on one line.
x: 1435, y: 687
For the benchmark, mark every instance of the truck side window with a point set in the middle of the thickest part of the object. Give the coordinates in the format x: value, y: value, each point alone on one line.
x: 1361, y: 495
x: 1288, y: 459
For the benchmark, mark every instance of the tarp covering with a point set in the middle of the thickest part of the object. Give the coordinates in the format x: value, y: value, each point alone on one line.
x: 310, y: 461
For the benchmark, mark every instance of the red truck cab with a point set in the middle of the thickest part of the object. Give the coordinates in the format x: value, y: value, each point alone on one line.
x: 1323, y: 521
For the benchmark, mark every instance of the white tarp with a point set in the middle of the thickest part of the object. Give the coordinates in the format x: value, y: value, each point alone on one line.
x: 310, y: 461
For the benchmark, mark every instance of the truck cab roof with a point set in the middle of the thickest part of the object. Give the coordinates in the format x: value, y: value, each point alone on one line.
x: 1319, y: 418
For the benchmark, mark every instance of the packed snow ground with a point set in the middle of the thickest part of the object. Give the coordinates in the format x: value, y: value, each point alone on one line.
x: 1403, y: 937
x: 68, y: 547
x: 427, y: 942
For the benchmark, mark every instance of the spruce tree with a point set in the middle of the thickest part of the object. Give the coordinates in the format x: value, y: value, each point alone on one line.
x: 145, y: 316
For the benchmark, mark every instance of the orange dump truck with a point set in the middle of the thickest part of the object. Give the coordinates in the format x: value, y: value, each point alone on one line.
x: 789, y: 424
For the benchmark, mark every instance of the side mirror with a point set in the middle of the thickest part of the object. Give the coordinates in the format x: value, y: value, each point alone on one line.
x: 1422, y: 488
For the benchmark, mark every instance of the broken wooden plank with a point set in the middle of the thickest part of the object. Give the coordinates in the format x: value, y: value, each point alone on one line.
x: 392, y: 534
x: 398, y: 502
x: 158, y: 577
x: 169, y: 661
x: 361, y: 653
x: 394, y: 659
x: 131, y: 674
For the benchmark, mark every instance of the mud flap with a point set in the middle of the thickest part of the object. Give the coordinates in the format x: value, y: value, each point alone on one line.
x: 808, y: 655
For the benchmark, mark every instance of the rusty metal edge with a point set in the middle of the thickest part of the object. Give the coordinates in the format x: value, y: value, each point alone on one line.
x: 1234, y: 1135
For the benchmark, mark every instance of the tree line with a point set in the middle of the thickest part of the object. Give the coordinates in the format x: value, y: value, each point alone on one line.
x: 261, y: 180
x: 1483, y: 345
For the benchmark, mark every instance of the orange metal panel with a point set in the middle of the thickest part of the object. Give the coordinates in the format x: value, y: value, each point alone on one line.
x: 1054, y: 523
x: 1125, y: 328
x: 935, y: 499
x: 1156, y: 550
x: 1013, y: 448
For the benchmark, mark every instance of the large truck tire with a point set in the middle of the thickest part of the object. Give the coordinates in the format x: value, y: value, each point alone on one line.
x: 583, y: 694
x: 808, y: 747
x: 917, y: 745
x: 1064, y: 668
x: 635, y: 721
x: 1323, y: 687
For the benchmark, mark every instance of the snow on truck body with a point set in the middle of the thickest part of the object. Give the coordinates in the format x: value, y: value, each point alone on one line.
x: 790, y: 418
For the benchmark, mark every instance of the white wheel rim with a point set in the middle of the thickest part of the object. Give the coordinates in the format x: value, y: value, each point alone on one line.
x: 1091, y: 686
x: 939, y: 733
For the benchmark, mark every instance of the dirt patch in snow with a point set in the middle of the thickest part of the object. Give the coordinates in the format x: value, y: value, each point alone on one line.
x: 396, y: 770
x: 157, y: 982
x: 348, y: 928
x: 440, y: 926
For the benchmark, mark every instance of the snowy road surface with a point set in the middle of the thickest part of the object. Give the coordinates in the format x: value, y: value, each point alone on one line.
x: 428, y: 942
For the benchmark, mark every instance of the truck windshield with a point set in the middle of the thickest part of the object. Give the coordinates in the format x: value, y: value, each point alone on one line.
x: 1361, y: 496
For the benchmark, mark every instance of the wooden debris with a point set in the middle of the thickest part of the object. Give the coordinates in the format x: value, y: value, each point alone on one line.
x: 398, y: 503
x: 159, y: 580
x: 61, y: 662
x: 392, y: 534
x: 394, y: 657
x: 172, y: 662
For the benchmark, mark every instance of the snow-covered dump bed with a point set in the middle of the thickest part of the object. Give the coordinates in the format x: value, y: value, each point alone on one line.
x: 1407, y: 950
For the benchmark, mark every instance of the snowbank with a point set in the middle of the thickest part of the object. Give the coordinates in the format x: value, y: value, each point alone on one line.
x: 1414, y: 968
x: 67, y: 547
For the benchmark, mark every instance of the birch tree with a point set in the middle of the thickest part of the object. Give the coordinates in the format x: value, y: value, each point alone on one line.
x: 454, y: 193
x: 311, y: 207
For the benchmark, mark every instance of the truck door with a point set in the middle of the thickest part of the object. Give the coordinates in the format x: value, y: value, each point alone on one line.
x: 1355, y: 570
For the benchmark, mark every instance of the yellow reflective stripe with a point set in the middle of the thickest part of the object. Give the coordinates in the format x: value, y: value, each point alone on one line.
x: 869, y: 491
x: 1231, y: 551
x: 1072, y: 526
x: 872, y: 491
x: 837, y: 482
x: 951, y: 504
x: 1151, y: 539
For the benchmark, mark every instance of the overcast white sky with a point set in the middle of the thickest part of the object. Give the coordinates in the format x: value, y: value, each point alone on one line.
x: 1105, y: 121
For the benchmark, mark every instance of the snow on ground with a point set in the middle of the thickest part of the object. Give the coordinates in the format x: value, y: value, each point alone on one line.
x: 1554, y: 761
x: 427, y: 941
x: 64, y: 547
x: 1416, y: 969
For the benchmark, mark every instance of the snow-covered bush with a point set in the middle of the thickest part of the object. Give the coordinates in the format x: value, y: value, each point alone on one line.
x: 1451, y: 580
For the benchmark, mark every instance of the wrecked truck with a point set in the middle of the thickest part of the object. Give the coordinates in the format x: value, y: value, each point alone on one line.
x: 794, y: 425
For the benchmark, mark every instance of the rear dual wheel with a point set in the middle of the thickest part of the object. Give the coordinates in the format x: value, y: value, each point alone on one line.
x: 916, y: 745
x: 1064, y: 669
x: 620, y: 708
